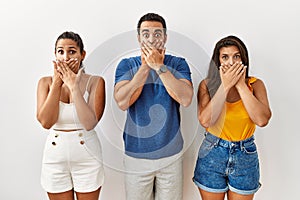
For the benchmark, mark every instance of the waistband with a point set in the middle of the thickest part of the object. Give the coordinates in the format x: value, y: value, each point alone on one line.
x: 80, y: 133
x: 228, y: 144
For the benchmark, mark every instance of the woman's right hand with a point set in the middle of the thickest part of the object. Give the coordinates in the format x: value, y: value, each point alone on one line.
x: 230, y: 75
x: 56, y: 79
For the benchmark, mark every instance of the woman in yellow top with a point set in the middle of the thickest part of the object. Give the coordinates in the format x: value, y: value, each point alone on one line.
x: 230, y: 105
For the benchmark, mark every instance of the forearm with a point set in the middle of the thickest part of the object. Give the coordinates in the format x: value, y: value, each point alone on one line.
x: 86, y: 115
x: 180, y: 90
x: 259, y: 112
x: 127, y: 93
x: 209, y: 114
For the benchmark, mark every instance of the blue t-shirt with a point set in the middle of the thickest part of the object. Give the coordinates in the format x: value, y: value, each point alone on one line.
x: 152, y: 128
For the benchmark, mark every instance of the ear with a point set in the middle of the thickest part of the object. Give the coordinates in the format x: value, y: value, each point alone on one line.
x: 139, y: 38
x: 83, y: 55
x: 165, y: 39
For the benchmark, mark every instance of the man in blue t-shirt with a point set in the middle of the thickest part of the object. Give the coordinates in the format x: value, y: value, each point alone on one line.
x: 151, y: 87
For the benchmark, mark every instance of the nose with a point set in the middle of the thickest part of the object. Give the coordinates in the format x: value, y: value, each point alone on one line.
x: 66, y: 57
x: 231, y: 61
x: 151, y: 39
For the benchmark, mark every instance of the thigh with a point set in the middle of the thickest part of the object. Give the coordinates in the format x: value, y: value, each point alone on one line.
x: 244, y: 178
x: 88, y: 195
x: 69, y: 195
x: 139, y: 186
x: 169, y: 182
x: 211, y: 196
x: 210, y: 169
x: 236, y: 196
x: 85, y: 163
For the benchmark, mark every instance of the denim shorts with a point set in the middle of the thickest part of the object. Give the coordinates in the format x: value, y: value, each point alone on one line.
x: 224, y: 165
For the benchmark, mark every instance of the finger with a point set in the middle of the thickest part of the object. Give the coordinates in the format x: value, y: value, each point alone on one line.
x: 148, y: 46
x: 73, y: 64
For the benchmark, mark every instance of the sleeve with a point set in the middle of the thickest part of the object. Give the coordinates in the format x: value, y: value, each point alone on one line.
x: 182, y: 69
x: 123, y: 71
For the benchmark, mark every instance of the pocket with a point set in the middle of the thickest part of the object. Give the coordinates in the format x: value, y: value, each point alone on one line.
x: 205, y: 148
x: 51, y: 151
x: 93, y: 147
x: 250, y: 148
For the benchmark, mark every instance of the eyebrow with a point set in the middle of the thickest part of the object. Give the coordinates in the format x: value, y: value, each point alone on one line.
x: 71, y: 47
x: 233, y: 53
x: 147, y: 30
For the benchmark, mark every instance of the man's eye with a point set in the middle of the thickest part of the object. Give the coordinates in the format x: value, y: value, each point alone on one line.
x: 145, y: 35
x: 72, y: 52
x: 157, y: 35
x: 60, y: 51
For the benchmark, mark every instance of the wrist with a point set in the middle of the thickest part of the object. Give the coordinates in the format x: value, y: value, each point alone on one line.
x: 161, y: 69
x: 240, y: 86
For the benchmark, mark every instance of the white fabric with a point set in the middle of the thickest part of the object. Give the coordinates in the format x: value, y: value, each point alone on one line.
x: 67, y: 117
x: 161, y: 180
x: 72, y: 160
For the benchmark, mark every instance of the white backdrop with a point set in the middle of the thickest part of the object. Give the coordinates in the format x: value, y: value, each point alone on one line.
x: 29, y: 29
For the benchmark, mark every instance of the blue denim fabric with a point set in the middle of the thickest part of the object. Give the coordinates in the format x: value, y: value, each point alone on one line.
x: 223, y: 165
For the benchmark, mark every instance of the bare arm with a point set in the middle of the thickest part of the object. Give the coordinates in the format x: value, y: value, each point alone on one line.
x: 209, y: 109
x: 256, y: 103
x: 48, y: 96
x: 127, y: 92
x: 181, y: 90
x: 89, y: 113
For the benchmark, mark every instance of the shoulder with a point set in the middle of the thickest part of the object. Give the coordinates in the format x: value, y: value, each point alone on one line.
x: 94, y: 79
x: 130, y: 59
x: 256, y: 83
x: 46, y: 80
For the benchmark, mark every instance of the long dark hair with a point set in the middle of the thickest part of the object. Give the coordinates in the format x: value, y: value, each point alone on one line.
x: 213, y: 77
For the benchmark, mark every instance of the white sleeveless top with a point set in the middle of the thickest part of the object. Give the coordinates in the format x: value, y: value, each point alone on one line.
x: 67, y: 117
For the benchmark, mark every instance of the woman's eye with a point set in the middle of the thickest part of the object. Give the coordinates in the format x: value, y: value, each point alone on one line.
x: 72, y: 52
x: 237, y: 56
x: 224, y: 57
x: 60, y: 51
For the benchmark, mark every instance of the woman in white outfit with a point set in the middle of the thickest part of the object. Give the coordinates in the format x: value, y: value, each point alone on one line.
x: 70, y: 103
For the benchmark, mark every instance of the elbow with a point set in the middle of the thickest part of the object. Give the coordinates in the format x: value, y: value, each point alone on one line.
x: 122, y: 105
x: 89, y: 128
x: 204, y: 122
x: 264, y: 120
x: 187, y: 100
x: 262, y: 123
x: 45, y: 124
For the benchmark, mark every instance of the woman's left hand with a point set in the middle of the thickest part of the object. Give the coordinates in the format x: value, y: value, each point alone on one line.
x: 242, y: 80
x: 69, y: 77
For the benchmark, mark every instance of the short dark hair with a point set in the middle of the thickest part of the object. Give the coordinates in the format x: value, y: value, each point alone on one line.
x: 152, y: 17
x: 73, y: 36
x: 213, y: 76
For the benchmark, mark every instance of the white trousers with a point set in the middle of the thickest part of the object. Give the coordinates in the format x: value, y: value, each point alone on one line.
x: 160, y: 179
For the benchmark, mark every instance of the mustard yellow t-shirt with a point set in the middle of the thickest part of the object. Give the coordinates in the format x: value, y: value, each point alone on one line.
x: 234, y: 123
